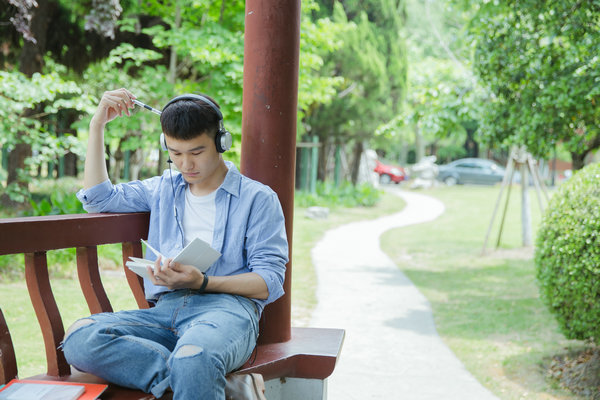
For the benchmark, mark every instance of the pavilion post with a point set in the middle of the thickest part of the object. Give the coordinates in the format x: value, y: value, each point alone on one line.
x: 269, y: 113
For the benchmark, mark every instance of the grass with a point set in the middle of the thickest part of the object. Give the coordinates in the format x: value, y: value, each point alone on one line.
x: 486, y: 308
x: 21, y: 320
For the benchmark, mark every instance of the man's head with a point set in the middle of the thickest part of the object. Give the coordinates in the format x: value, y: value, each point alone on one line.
x: 190, y: 115
x: 193, y: 134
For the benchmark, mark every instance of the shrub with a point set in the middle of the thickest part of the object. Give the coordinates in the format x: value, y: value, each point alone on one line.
x: 55, y: 197
x: 567, y: 255
x: 344, y: 195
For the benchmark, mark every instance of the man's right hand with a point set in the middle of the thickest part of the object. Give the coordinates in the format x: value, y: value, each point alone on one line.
x: 113, y: 104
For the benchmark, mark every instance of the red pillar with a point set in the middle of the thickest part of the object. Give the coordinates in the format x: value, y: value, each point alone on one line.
x: 271, y: 60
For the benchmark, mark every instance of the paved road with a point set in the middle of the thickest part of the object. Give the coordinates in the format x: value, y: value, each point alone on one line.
x: 392, y: 349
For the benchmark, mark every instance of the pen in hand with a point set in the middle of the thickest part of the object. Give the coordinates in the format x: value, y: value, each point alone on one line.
x: 147, y: 107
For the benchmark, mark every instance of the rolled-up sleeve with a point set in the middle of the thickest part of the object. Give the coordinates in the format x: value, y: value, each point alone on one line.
x: 106, y: 197
x: 267, y: 245
x: 91, y: 198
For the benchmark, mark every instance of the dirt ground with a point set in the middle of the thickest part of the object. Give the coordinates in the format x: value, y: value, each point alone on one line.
x: 579, y: 372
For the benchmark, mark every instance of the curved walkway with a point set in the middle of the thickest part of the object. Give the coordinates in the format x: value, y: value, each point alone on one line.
x: 392, y: 349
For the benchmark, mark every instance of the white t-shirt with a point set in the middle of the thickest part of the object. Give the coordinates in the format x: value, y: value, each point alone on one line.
x: 199, y: 216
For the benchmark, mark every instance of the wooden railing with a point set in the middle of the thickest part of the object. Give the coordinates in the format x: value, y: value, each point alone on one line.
x: 309, y: 354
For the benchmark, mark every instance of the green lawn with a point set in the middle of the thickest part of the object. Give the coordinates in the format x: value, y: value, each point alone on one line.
x: 23, y: 325
x: 486, y: 308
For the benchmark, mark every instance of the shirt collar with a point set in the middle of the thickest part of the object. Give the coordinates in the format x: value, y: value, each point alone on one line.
x: 231, y: 184
x: 232, y: 181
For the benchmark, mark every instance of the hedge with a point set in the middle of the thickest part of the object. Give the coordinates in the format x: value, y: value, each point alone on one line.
x: 567, y: 255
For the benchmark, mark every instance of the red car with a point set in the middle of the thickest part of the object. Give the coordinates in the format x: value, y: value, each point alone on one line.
x: 389, y: 173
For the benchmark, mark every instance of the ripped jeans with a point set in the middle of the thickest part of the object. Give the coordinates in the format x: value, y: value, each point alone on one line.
x: 187, y: 342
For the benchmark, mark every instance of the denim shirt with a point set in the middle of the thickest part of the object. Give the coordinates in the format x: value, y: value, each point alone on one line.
x: 249, y: 224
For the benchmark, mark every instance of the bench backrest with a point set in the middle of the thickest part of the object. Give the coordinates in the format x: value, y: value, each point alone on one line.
x: 34, y: 236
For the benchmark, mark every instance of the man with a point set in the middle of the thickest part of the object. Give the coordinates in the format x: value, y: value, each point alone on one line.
x: 202, y: 326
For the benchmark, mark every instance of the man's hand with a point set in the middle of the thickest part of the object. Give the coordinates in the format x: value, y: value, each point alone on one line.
x: 174, y: 275
x: 113, y: 104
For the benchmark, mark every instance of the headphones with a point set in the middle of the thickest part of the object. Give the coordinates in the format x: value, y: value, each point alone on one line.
x: 223, y: 139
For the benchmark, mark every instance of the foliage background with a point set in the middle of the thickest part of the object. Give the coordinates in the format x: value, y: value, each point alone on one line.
x: 65, y: 54
x: 407, y: 78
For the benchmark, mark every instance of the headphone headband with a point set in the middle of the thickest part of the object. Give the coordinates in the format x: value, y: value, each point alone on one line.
x: 191, y: 96
x: 223, y: 139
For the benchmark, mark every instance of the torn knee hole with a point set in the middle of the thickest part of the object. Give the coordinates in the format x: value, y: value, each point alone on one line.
x: 188, y: 350
x: 78, y: 324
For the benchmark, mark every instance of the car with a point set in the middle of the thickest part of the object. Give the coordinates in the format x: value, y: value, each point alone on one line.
x: 389, y: 173
x: 471, y: 170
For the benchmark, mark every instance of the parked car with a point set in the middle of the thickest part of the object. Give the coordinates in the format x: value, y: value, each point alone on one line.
x: 471, y: 170
x: 389, y: 173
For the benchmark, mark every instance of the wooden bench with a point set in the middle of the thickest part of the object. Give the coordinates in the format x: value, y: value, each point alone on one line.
x: 295, y: 368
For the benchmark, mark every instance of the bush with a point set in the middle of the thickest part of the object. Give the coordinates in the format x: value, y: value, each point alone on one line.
x: 55, y: 197
x: 567, y: 255
x: 344, y: 195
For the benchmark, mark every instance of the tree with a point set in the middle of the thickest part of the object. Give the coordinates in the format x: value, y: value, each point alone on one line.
x: 371, y: 64
x: 105, y: 46
x: 319, y: 37
x: 441, y: 107
x: 196, y: 51
x: 30, y: 62
x: 155, y: 48
x: 20, y: 95
x: 539, y: 62
x: 36, y: 21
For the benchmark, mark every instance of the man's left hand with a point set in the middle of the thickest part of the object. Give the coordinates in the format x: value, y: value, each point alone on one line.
x: 174, y: 275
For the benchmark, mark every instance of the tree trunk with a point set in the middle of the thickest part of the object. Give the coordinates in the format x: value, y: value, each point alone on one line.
x: 171, y: 78
x: 118, y: 159
x: 31, y: 61
x: 578, y: 160
x: 70, y: 164
x: 136, y: 160
x: 32, y: 54
x: 358, y: 150
x: 16, y: 161
x: 419, y: 144
x: 403, y: 153
x: 324, y: 159
x: 67, y: 118
x: 525, y: 207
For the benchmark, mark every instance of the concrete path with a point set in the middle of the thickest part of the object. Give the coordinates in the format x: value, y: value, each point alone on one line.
x: 392, y: 349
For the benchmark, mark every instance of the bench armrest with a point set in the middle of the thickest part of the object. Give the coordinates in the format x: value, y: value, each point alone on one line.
x: 312, y: 353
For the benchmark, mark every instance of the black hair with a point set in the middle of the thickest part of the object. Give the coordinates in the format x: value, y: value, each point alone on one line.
x: 189, y: 118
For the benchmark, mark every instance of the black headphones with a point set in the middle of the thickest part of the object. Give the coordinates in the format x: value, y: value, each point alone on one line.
x: 223, y: 139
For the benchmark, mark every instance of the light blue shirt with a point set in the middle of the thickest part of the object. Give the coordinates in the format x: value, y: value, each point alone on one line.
x: 249, y: 224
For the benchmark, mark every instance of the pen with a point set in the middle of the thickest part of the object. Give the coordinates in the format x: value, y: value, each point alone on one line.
x: 147, y: 107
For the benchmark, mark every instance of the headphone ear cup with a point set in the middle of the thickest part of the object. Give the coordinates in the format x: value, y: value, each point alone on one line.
x: 223, y: 141
x: 163, y: 142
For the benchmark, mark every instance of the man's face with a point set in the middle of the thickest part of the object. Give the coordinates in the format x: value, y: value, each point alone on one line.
x: 197, y: 158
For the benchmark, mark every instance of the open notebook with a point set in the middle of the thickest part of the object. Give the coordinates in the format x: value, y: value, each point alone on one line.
x: 197, y: 253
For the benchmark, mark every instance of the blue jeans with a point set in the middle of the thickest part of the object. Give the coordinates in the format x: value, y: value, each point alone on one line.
x: 187, y: 342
